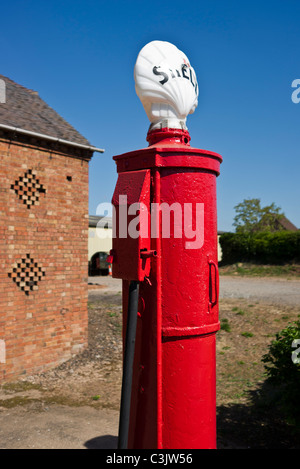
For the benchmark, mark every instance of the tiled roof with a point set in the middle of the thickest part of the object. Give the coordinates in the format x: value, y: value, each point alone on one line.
x: 24, y: 109
x: 287, y: 224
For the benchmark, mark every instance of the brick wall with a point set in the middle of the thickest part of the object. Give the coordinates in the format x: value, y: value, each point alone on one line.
x: 43, y: 257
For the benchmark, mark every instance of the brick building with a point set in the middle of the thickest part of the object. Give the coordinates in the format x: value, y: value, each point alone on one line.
x: 44, y: 235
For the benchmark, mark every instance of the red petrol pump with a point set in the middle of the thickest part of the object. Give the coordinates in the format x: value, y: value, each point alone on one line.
x: 165, y: 250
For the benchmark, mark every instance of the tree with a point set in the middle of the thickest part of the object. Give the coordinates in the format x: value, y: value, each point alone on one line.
x: 252, y: 218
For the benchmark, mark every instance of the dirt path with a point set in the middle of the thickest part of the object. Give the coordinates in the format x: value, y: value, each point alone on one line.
x: 58, y: 427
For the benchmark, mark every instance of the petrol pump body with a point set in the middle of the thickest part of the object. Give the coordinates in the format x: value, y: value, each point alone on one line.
x: 173, y: 396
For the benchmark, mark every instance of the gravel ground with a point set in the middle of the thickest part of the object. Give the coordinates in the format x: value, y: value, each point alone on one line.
x: 269, y: 290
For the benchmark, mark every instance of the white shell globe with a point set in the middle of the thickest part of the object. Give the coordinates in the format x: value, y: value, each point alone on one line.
x: 166, y: 84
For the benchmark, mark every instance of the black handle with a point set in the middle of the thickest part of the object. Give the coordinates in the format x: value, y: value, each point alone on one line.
x: 128, y: 364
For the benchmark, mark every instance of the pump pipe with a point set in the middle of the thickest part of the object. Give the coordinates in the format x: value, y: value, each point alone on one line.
x: 128, y: 364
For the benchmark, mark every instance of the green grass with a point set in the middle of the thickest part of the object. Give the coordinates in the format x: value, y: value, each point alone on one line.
x: 240, y: 313
x: 256, y: 270
x: 225, y: 326
x: 20, y: 386
x: 247, y: 334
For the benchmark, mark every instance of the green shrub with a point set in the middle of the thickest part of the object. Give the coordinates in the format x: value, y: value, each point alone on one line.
x: 279, y: 365
x: 283, y: 371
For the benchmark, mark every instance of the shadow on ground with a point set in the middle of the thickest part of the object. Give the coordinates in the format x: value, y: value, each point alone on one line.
x: 260, y: 424
x: 102, y: 442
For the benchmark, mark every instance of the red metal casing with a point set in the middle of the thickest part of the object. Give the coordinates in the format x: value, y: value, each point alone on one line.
x: 133, y: 187
x: 173, y: 404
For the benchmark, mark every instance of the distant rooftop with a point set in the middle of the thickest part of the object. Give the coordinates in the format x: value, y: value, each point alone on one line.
x: 287, y: 224
x: 100, y: 221
x: 24, y: 109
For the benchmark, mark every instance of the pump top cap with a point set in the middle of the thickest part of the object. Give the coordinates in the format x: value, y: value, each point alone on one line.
x: 166, y: 84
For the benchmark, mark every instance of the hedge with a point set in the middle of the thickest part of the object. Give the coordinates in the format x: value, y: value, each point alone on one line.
x: 264, y: 247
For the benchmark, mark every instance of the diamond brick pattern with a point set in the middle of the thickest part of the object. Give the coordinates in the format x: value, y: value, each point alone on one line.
x: 28, y: 188
x: 27, y: 273
x: 43, y: 238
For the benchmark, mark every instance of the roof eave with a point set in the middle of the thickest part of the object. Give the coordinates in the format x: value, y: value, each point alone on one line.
x: 53, y: 139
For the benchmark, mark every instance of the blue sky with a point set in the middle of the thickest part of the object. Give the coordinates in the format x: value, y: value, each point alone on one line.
x: 80, y: 56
